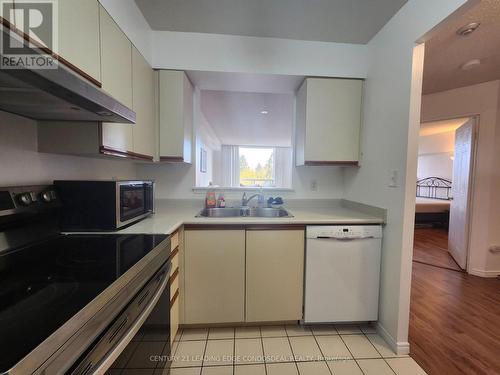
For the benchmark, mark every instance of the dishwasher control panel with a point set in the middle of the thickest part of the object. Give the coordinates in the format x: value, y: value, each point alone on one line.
x: 344, y: 231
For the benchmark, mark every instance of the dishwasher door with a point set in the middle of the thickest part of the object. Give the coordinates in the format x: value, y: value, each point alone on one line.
x: 342, y: 275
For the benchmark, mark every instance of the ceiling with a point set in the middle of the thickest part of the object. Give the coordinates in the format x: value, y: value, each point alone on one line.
x: 345, y: 21
x: 236, y: 117
x: 447, y: 51
x: 444, y: 126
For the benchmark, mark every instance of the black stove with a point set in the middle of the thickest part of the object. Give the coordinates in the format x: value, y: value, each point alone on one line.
x: 47, y: 277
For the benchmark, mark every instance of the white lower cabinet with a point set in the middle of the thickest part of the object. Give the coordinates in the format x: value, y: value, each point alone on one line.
x: 274, y: 275
x: 214, y: 280
x: 239, y: 275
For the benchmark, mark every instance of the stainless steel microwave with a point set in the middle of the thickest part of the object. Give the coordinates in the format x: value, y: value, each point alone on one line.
x: 103, y: 205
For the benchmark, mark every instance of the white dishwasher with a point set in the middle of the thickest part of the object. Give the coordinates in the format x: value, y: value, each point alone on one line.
x: 342, y: 273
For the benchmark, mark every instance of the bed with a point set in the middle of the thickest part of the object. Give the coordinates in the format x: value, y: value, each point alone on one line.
x: 432, y: 205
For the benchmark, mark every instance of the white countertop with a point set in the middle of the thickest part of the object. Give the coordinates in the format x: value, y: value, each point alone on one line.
x: 171, y: 214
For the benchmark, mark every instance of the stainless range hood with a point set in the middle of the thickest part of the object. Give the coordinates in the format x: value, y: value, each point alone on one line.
x: 59, y: 95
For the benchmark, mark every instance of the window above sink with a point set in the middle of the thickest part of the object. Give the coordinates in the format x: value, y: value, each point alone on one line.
x: 244, y: 140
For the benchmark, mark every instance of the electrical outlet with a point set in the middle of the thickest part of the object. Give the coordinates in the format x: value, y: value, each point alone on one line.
x: 314, y: 185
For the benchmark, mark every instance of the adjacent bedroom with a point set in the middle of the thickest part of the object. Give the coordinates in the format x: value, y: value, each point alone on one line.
x: 438, y: 164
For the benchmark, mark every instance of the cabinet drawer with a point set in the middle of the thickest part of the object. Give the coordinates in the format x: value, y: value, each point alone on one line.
x: 174, y: 283
x: 175, y: 262
x: 174, y: 240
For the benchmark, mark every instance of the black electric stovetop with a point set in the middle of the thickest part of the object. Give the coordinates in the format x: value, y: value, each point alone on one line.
x: 44, y: 285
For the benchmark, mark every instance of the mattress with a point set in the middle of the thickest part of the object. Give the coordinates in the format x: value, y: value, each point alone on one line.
x: 428, y: 205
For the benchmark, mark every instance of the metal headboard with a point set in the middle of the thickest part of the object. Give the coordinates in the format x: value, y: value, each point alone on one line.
x: 434, y: 187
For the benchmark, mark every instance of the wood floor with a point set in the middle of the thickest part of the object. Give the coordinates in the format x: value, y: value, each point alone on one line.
x: 454, y: 318
x: 431, y: 247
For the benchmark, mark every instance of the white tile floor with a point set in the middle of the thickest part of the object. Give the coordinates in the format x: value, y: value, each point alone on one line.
x: 277, y: 350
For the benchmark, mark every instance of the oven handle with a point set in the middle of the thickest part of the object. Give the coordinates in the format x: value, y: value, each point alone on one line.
x: 106, y: 362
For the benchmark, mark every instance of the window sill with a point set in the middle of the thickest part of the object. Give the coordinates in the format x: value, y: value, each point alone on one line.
x: 219, y: 188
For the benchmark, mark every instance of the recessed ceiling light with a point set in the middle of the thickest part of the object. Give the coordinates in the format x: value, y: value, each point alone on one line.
x: 468, y: 29
x: 264, y: 112
x: 471, y: 64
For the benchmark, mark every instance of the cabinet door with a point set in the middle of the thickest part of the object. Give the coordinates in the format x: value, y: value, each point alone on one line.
x: 274, y: 275
x: 328, y: 121
x: 116, y: 77
x: 144, y: 106
x: 79, y: 35
x: 214, y: 279
x: 176, y: 116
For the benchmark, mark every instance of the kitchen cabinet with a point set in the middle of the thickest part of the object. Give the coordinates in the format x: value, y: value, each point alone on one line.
x: 144, y: 131
x: 175, y: 105
x: 274, y: 274
x: 128, y: 77
x: 328, y: 121
x: 116, y: 77
x: 79, y: 42
x: 78, y: 36
x: 214, y: 280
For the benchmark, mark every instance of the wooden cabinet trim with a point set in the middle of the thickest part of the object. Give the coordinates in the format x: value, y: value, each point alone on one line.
x: 105, y: 150
x: 320, y: 163
x: 174, y: 298
x: 174, y: 252
x: 276, y: 227
x: 214, y: 227
x: 176, y: 231
x: 172, y: 159
x: 172, y: 277
x: 48, y: 51
x: 244, y: 226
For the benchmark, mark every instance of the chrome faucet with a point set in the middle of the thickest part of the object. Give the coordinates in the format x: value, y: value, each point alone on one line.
x: 260, y: 199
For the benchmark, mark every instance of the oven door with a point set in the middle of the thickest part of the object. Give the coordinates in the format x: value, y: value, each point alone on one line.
x: 118, y: 335
x: 135, y: 201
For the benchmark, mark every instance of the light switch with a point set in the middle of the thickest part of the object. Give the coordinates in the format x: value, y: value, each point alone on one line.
x: 393, y: 178
x: 314, y: 185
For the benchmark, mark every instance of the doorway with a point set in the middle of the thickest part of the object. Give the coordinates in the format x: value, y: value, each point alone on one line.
x: 443, y: 192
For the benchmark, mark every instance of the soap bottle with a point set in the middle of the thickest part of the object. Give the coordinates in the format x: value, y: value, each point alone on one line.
x: 210, y: 199
x: 221, y: 202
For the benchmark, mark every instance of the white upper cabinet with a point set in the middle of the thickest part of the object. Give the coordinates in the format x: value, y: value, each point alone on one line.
x: 144, y: 130
x: 116, y: 77
x: 79, y: 35
x: 175, y: 101
x: 328, y: 121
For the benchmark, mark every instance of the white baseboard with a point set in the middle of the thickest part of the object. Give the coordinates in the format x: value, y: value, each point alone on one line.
x: 400, y: 348
x: 482, y: 273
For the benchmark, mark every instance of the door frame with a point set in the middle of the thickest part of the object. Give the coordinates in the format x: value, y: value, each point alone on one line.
x: 475, y: 117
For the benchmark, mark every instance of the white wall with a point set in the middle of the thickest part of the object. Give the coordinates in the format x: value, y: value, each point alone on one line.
x: 389, y: 142
x: 435, y: 152
x: 207, y: 139
x: 21, y: 164
x: 435, y: 165
x: 483, y: 100
x: 176, y: 181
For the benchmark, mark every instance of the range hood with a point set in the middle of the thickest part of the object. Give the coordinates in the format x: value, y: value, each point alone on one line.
x: 59, y: 95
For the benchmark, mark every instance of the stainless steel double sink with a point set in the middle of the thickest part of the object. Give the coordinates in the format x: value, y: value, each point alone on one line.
x: 244, y: 212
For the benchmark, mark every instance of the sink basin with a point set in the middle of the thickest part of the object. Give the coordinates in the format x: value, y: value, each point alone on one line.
x: 242, y: 212
x: 220, y: 212
x: 268, y: 212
